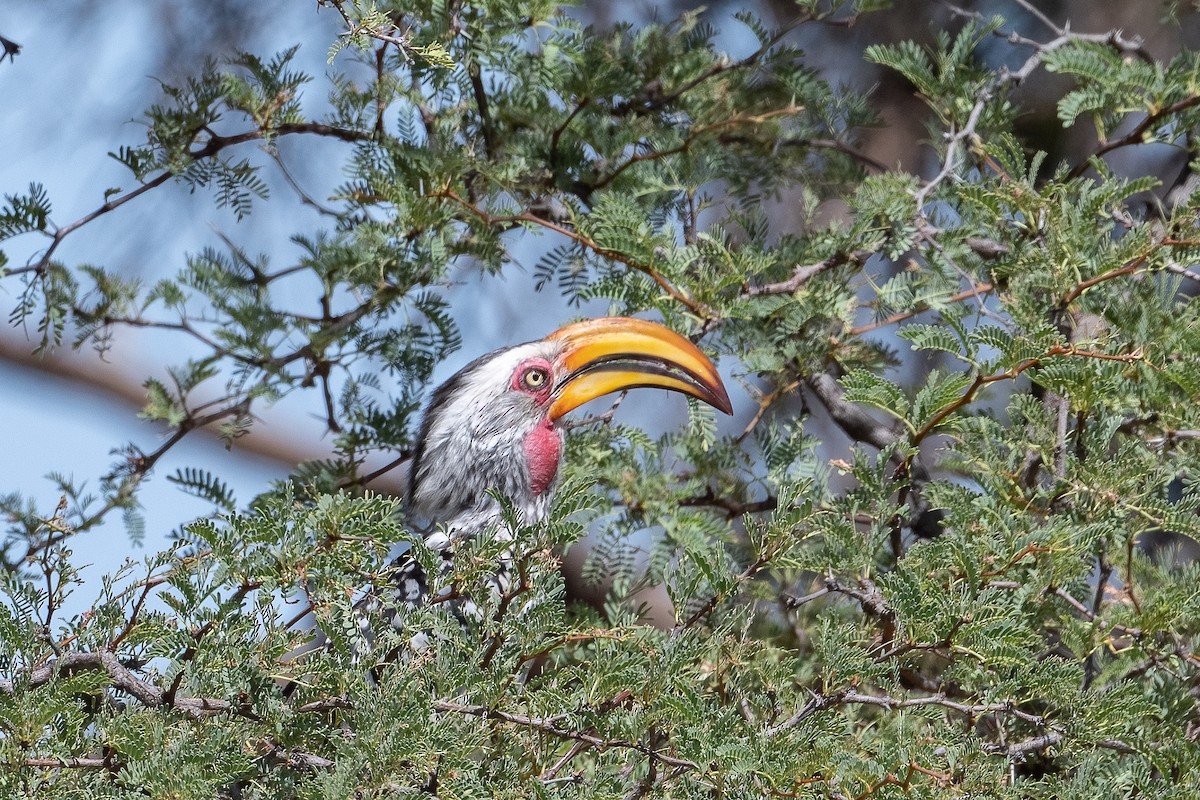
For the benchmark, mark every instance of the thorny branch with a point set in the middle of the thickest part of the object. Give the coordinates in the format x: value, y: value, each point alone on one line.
x: 357, y: 28
x: 552, y: 725
x: 1053, y: 732
x: 967, y: 133
x: 1015, y: 371
x: 137, y: 466
x: 212, y: 145
x: 802, y: 274
x: 973, y: 292
x: 526, y: 217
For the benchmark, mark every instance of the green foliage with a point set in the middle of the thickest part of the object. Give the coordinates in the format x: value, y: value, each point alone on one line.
x: 947, y: 550
x: 24, y: 213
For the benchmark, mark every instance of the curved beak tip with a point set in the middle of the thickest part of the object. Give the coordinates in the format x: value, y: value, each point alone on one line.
x: 613, y: 354
x: 721, y: 400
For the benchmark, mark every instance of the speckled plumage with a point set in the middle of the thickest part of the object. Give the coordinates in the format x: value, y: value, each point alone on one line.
x: 490, y: 431
x: 472, y: 440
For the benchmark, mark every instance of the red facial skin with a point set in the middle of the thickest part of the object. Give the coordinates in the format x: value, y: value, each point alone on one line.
x: 543, y: 444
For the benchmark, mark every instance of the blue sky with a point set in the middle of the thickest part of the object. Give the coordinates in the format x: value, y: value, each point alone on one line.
x: 70, y: 99
x: 68, y: 106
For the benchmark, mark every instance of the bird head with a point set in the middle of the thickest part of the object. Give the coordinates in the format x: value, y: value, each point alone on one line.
x: 495, y: 425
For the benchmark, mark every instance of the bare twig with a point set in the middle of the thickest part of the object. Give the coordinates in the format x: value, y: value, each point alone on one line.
x: 1036, y: 12
x: 731, y: 506
x: 765, y: 403
x: 304, y: 196
x: 804, y: 273
x: 972, y: 293
x: 487, y: 218
x: 553, y: 726
x: 213, y: 145
x: 1137, y: 134
x: 981, y: 381
x: 575, y: 749
x: 69, y: 763
x: 954, y: 141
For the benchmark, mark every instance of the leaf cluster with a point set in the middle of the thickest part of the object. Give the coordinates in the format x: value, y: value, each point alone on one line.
x: 947, y: 549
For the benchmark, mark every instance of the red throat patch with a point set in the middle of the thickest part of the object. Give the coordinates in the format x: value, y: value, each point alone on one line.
x: 542, y: 451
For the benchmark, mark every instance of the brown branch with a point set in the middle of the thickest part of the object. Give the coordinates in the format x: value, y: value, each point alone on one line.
x: 331, y: 421
x: 732, y: 507
x: 148, y: 695
x: 1078, y: 289
x: 1126, y: 269
x: 551, y: 725
x: 213, y: 145
x: 169, y: 696
x: 121, y: 676
x: 792, y: 601
x: 68, y: 763
x: 504, y: 605
x: 921, y: 308
x: 110, y: 205
x: 699, y: 309
x: 363, y: 480
x: 765, y: 403
x: 749, y: 572
x: 839, y: 146
x: 574, y: 750
x: 693, y: 135
x: 556, y: 137
x: 1137, y: 134
x: 305, y: 197
x: 147, y: 587
x: 481, y: 102
x: 1093, y: 616
x: 182, y: 327
x: 802, y: 274
x: 1011, y: 373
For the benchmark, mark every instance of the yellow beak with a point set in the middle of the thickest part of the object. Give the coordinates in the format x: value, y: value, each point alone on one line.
x: 610, y: 354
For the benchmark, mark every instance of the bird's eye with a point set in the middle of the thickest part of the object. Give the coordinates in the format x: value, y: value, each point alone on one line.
x: 535, y: 378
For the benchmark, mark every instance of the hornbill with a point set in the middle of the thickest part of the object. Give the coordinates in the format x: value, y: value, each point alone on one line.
x: 494, y: 428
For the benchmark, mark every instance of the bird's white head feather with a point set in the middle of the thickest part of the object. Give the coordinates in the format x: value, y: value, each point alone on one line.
x: 472, y: 441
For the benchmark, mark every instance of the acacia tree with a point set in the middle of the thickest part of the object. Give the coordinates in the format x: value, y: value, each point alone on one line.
x: 960, y: 603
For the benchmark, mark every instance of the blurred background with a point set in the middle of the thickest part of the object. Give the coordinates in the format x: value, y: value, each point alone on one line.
x: 76, y: 91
